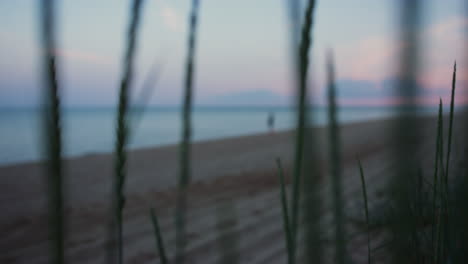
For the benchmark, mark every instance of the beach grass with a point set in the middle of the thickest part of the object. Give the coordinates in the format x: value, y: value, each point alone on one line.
x: 116, y: 253
x: 301, y: 126
x: 285, y: 211
x: 440, y: 196
x: 433, y: 206
x: 436, y: 180
x: 335, y: 164
x: 185, y: 150
x: 227, y: 239
x: 53, y: 133
x: 158, y: 237
x: 146, y: 93
x: 407, y: 136
x: 450, y: 131
x: 366, y: 210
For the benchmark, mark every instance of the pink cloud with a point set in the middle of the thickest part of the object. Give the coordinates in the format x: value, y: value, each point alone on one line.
x: 446, y: 42
x: 372, y: 59
x: 441, y: 77
x: 376, y: 58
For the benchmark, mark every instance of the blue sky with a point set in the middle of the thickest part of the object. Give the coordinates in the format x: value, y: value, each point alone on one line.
x: 242, y: 47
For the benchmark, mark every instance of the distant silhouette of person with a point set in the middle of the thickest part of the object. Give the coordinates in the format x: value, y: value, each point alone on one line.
x: 271, y: 122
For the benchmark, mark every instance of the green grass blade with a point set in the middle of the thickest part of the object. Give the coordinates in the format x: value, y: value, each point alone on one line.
x: 184, y: 176
x: 52, y: 133
x: 420, y: 198
x: 294, y: 10
x: 285, y: 211
x: 436, y: 172
x: 442, y: 197
x: 366, y: 207
x: 158, y: 237
x: 447, y: 240
x: 227, y: 240
x: 459, y: 219
x: 452, y: 106
x: 303, y: 60
x: 146, y: 93
x: 335, y: 165
x: 445, y: 221
x: 122, y: 137
x: 407, y: 134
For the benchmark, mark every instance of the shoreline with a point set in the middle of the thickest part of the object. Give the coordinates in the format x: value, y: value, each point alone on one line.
x: 103, y: 144
x: 202, y: 141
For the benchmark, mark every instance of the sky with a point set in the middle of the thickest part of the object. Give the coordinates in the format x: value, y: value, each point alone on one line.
x: 243, y: 52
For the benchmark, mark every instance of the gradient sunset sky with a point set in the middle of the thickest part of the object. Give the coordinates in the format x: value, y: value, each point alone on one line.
x: 243, y: 47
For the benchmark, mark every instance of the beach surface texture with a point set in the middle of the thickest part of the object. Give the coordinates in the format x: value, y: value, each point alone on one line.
x: 233, y: 195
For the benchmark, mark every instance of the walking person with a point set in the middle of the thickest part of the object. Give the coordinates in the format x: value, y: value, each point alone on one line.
x: 271, y: 122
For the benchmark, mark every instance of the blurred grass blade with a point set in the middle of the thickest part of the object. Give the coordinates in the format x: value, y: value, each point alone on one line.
x: 116, y: 247
x: 184, y: 177
x: 459, y: 219
x: 366, y: 207
x: 407, y: 134
x: 285, y: 211
x: 420, y: 200
x: 441, y: 197
x: 52, y: 132
x: 227, y: 240
x: 142, y: 103
x: 446, y: 199
x: 335, y: 164
x: 303, y: 63
x: 294, y: 13
x: 436, y: 181
x: 158, y: 237
x: 452, y: 106
x: 447, y: 239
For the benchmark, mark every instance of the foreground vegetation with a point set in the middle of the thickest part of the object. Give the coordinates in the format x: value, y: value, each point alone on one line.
x: 425, y: 218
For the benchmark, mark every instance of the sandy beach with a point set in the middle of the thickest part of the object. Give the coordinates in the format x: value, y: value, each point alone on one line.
x: 235, y: 175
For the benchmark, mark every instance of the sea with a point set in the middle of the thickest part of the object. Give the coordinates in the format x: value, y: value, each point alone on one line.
x: 91, y: 130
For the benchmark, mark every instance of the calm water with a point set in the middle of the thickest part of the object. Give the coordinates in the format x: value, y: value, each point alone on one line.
x: 91, y: 130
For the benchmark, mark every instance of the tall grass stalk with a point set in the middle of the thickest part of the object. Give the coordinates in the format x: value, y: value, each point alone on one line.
x: 366, y: 210
x: 158, y: 237
x: 335, y: 164
x: 122, y: 137
x: 184, y: 176
x: 406, y: 135
x: 285, y: 211
x: 450, y: 131
x: 446, y: 199
x: 439, y: 251
x: 441, y: 196
x: 226, y: 220
x: 303, y: 60
x: 440, y: 247
x: 146, y: 93
x: 312, y: 204
x: 436, y: 181
x: 459, y: 219
x: 294, y: 13
x: 52, y: 132
x: 447, y: 162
